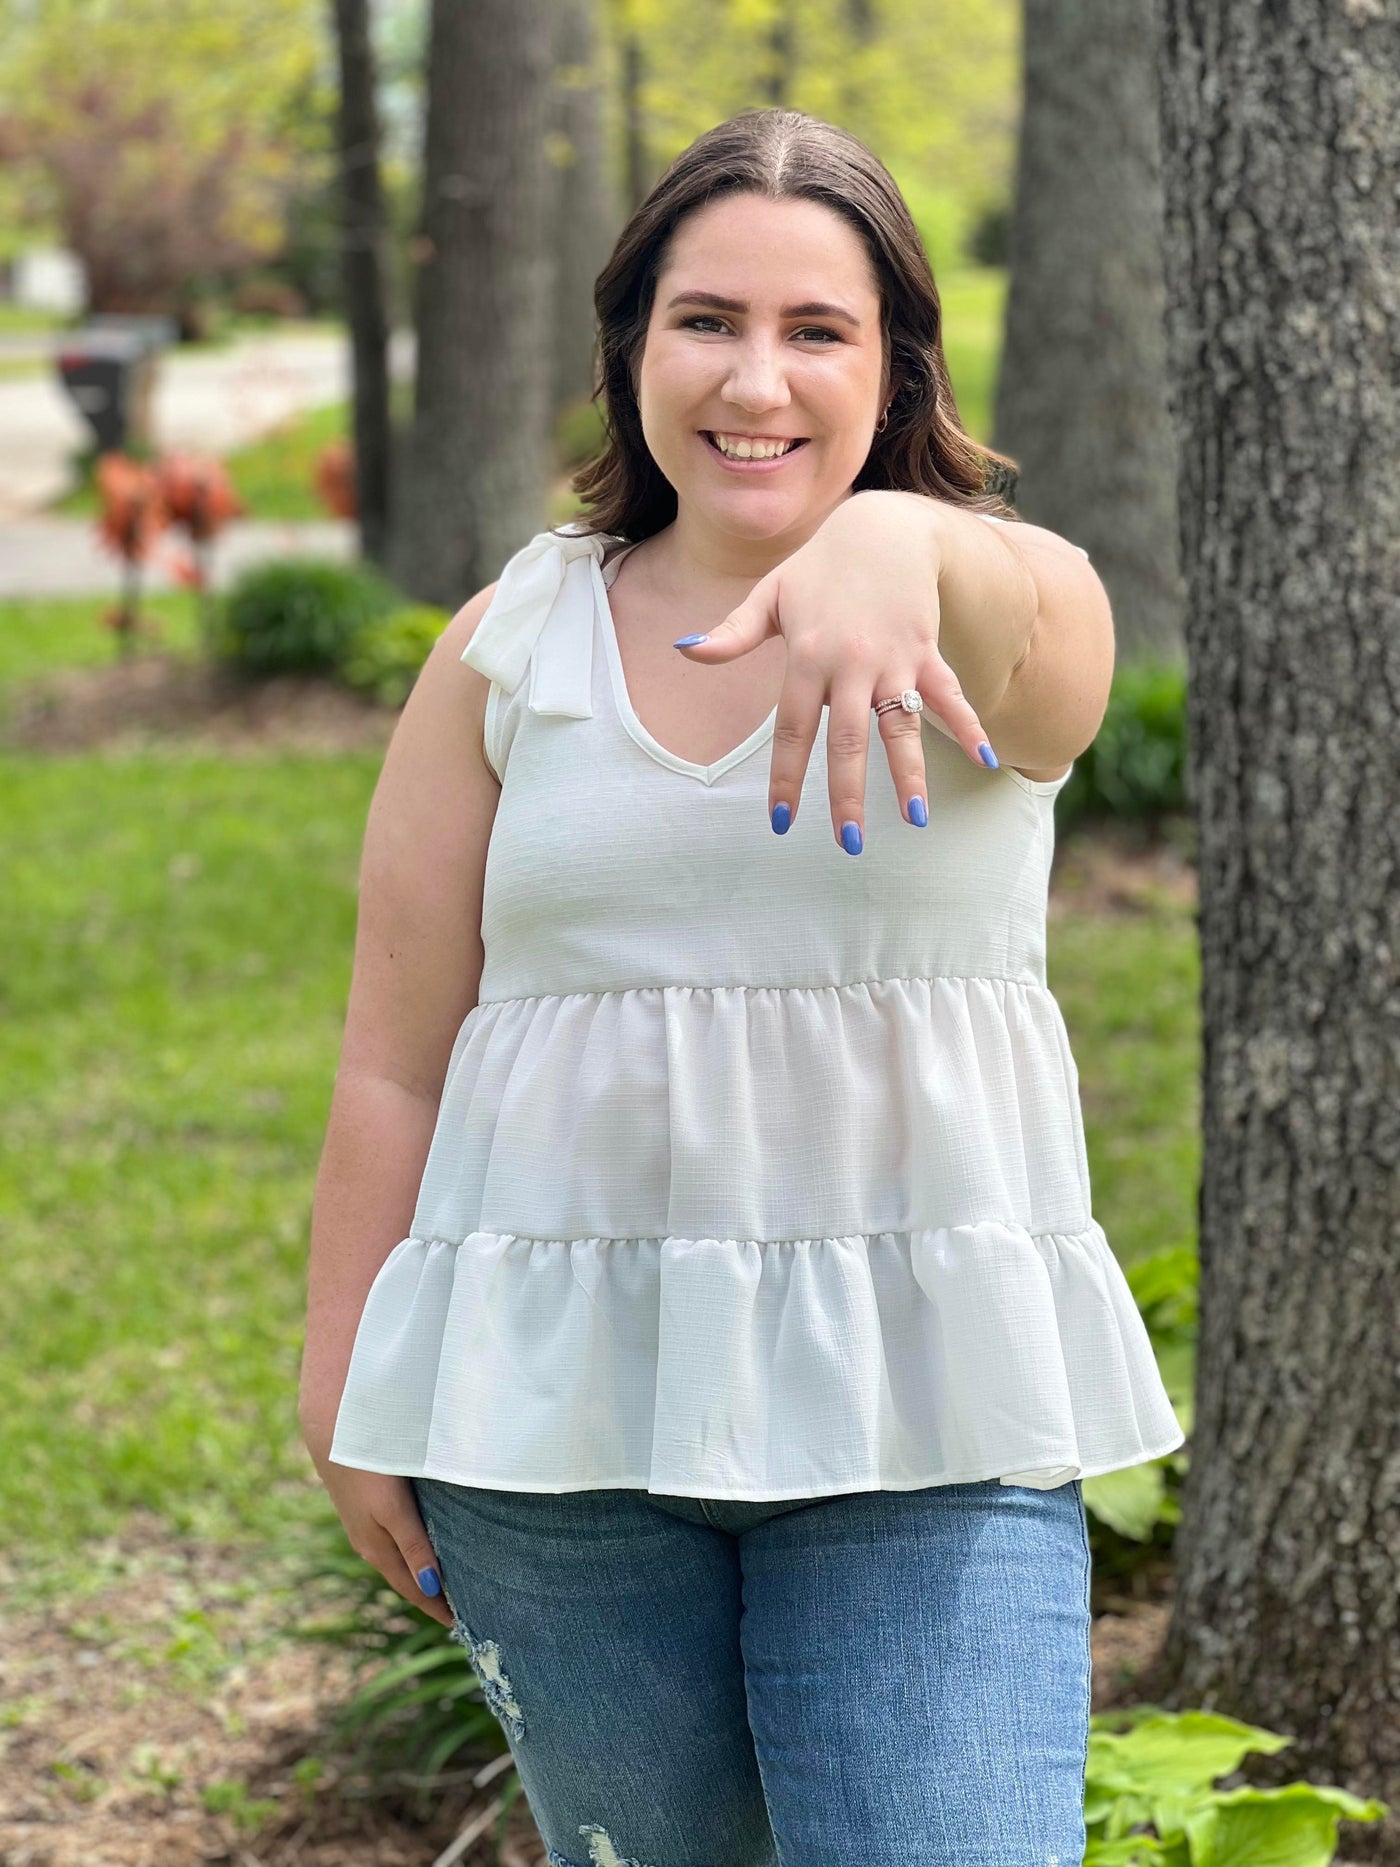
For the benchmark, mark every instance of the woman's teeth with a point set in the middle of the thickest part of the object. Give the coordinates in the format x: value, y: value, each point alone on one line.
x: 750, y: 450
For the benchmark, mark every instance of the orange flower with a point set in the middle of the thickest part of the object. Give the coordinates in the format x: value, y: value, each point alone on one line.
x: 198, y: 494
x: 336, y: 481
x: 133, y: 511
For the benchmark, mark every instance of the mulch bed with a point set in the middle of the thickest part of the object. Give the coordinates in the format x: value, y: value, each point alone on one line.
x: 154, y: 699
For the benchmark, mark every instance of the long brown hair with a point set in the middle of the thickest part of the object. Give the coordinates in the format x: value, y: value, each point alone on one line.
x: 783, y: 155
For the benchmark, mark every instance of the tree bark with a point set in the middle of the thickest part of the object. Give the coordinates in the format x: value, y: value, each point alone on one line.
x: 475, y: 460
x: 1281, y: 144
x: 584, y: 214
x: 1081, y: 400
x: 364, y: 243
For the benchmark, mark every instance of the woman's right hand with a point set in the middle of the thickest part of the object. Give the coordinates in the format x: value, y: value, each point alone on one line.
x: 381, y: 1519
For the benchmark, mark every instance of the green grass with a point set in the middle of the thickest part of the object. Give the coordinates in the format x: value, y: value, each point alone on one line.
x: 178, y: 941
x: 41, y: 635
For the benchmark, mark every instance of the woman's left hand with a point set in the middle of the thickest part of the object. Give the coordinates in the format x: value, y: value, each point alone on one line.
x: 858, y: 608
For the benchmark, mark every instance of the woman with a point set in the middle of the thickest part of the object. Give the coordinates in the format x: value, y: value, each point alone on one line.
x: 749, y: 1333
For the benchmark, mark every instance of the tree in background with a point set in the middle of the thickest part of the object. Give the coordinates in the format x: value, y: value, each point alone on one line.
x: 154, y: 141
x: 473, y: 476
x: 1281, y: 146
x: 585, y: 212
x: 1081, y: 396
x: 364, y: 235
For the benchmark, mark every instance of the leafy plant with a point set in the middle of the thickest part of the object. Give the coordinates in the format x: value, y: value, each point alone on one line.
x: 1136, y: 766
x: 1149, y: 1797
x: 1135, y: 1499
x: 387, y: 655
x: 300, y: 615
x: 417, y: 1702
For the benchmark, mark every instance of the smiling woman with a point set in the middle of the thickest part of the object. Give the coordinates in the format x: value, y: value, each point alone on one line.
x: 753, y: 1329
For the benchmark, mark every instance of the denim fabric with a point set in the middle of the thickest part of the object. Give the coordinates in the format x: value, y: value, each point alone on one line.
x: 883, y: 1677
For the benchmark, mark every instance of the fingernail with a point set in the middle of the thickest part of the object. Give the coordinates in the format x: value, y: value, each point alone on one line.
x: 918, y: 812
x: 988, y: 756
x: 689, y: 641
x: 428, y: 1581
x: 851, y: 838
x: 782, y: 819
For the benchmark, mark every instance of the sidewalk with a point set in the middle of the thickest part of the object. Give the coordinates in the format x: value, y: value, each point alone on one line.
x: 41, y: 557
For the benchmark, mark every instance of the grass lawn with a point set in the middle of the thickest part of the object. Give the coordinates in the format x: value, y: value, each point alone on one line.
x: 39, y: 635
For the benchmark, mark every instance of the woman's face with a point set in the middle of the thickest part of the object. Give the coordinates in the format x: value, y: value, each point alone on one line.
x: 763, y: 365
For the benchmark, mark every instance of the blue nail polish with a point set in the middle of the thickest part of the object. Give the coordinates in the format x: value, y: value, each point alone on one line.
x: 851, y: 838
x: 918, y: 812
x: 782, y: 819
x: 987, y: 755
x: 428, y: 1582
x: 689, y: 641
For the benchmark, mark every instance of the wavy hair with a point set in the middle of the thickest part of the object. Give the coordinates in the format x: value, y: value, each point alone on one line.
x: 781, y: 154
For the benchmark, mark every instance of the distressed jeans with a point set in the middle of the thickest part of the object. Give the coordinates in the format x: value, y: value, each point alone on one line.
x: 883, y: 1677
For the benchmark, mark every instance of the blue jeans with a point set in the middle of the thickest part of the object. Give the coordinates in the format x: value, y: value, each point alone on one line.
x: 882, y: 1677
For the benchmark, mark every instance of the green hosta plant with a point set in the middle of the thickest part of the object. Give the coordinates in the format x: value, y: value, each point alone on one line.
x: 1136, y: 1499
x: 1149, y: 1797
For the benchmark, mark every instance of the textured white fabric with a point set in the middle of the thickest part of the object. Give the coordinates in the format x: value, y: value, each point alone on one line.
x: 759, y: 1170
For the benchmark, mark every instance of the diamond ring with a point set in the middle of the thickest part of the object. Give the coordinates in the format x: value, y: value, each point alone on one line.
x: 911, y: 701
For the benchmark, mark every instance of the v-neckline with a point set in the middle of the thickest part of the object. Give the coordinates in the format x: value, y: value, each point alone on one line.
x: 653, y: 747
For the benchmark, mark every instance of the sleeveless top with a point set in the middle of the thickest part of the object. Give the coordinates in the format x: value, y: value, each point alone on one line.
x: 759, y: 1170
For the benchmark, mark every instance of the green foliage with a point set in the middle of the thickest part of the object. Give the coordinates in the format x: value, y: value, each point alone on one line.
x: 1133, y: 1501
x: 1149, y: 1797
x: 1136, y: 767
x: 578, y: 434
x: 386, y: 656
x: 299, y: 615
x: 416, y: 1702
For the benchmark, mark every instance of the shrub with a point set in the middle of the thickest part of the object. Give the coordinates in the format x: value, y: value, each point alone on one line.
x: 1136, y: 766
x: 300, y: 615
x: 387, y: 655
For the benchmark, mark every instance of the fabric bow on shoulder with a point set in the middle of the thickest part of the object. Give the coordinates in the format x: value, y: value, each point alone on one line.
x: 541, y: 618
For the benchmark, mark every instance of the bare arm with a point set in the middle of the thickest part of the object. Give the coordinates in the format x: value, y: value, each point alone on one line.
x: 417, y: 968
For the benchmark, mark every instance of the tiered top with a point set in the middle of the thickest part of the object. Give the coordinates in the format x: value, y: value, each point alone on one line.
x: 759, y: 1170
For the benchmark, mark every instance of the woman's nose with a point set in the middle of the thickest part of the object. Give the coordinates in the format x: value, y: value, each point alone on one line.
x: 757, y: 377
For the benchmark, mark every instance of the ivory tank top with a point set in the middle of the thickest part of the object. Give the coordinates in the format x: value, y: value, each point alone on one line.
x: 759, y: 1170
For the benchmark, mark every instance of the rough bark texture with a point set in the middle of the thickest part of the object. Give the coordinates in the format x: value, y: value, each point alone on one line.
x: 1081, y: 400
x: 1281, y: 150
x: 364, y: 239
x: 584, y: 214
x: 472, y: 487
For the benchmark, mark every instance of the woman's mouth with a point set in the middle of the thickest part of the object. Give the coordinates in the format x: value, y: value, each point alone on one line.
x: 760, y: 462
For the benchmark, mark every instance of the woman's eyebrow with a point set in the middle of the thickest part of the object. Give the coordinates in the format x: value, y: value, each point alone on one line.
x: 813, y: 310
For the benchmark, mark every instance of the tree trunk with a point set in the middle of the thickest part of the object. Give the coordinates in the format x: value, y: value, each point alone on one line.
x: 636, y: 161
x: 1081, y: 400
x: 475, y: 461
x: 1281, y: 145
x: 584, y: 214
x: 364, y: 237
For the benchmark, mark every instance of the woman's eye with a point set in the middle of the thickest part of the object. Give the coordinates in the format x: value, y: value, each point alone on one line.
x: 810, y: 330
